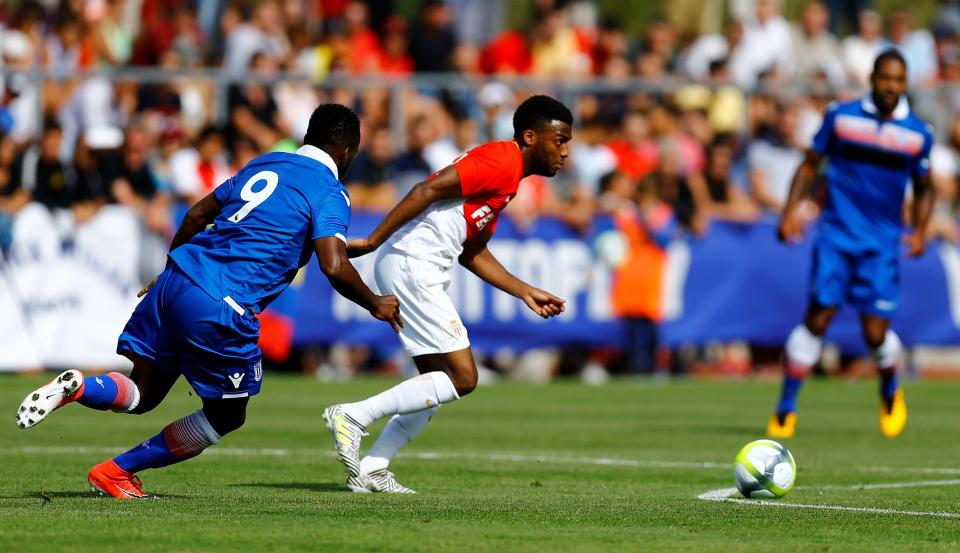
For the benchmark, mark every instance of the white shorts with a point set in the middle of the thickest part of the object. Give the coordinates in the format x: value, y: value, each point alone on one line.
x: 430, y: 322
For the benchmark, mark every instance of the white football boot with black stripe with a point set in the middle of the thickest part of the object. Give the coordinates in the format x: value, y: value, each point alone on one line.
x: 41, y: 402
x: 383, y: 481
x: 346, y: 438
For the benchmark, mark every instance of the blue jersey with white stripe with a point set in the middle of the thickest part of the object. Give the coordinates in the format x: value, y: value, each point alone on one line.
x: 871, y: 162
x: 272, y: 211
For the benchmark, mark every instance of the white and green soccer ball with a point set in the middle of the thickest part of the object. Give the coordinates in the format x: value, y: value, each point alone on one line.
x: 764, y: 468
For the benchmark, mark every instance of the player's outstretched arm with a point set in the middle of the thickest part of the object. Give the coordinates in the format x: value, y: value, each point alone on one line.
x: 794, y: 219
x: 477, y: 258
x: 332, y: 255
x: 923, y: 201
x: 444, y: 185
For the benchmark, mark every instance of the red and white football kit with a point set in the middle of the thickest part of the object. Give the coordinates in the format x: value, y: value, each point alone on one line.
x: 414, y: 263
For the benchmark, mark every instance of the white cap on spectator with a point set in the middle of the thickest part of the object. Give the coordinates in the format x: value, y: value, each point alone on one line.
x: 494, y: 94
x: 16, y: 45
x: 103, y: 137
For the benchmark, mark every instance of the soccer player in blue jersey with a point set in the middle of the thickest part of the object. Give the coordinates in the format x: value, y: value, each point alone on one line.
x: 198, y: 317
x: 875, y: 146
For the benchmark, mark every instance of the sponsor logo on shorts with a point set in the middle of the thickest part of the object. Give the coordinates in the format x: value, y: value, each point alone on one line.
x: 456, y: 328
x: 258, y: 371
x: 236, y: 378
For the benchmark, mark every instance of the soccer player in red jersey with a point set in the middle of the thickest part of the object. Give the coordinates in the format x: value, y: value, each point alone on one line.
x: 449, y: 217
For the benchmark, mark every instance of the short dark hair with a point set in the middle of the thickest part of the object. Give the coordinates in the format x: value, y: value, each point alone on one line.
x: 331, y: 126
x: 537, y: 110
x: 887, y: 55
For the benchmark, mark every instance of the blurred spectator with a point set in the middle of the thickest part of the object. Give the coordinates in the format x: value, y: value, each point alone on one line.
x: 773, y: 159
x: 816, y: 51
x: 766, y: 49
x: 661, y: 43
x: 113, y: 33
x: 368, y: 179
x: 673, y: 188
x: 647, y: 224
x: 39, y: 171
x: 612, y: 42
x: 497, y: 101
x: 195, y: 172
x: 365, y: 54
x: 694, y: 17
x: 396, y: 55
x: 20, y: 94
x: 945, y: 172
x: 431, y: 38
x: 726, y: 200
x: 846, y: 13
x: 253, y: 110
x: 590, y: 158
x: 263, y: 34
x: 557, y: 50
x: 410, y: 167
x: 860, y: 50
x: 476, y: 22
x: 635, y: 151
x: 711, y: 49
x: 917, y: 47
x: 507, y: 54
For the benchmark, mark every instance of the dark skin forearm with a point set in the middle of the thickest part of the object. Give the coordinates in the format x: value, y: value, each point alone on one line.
x: 444, y: 185
x: 332, y: 256
x: 477, y: 258
x: 197, y: 218
x: 923, y: 201
x: 800, y: 186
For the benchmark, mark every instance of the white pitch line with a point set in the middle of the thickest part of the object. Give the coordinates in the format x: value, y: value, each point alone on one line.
x: 441, y: 455
x: 888, y: 485
x: 723, y: 495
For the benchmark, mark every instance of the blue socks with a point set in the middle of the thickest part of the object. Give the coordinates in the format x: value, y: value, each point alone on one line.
x: 788, y: 395
x: 889, y: 383
x: 111, y: 391
x: 179, y: 441
x: 151, y: 454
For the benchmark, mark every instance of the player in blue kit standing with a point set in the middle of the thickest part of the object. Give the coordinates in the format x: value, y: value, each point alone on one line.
x: 875, y: 145
x: 198, y: 317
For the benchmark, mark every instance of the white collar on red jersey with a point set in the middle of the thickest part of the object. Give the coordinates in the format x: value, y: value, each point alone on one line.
x: 900, y: 112
x: 323, y: 157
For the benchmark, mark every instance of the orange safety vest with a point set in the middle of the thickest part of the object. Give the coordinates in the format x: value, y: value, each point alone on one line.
x: 638, y: 283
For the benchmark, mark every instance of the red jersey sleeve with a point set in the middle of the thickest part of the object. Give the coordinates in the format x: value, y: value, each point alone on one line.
x: 493, y: 168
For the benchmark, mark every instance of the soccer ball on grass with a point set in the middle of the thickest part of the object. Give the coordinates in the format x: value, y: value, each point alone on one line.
x: 764, y: 468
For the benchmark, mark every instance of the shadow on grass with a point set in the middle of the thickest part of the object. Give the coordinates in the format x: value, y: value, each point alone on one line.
x: 50, y: 496
x: 310, y: 486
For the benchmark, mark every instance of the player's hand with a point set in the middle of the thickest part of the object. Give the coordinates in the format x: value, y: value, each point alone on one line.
x: 791, y: 226
x: 916, y: 244
x: 387, y: 308
x: 143, y: 291
x: 543, y: 303
x: 360, y: 246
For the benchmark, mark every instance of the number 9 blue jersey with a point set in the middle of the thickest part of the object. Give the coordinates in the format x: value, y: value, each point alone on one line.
x: 272, y: 211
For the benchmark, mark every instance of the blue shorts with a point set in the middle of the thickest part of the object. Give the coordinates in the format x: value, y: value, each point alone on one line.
x: 183, y: 329
x: 869, y: 281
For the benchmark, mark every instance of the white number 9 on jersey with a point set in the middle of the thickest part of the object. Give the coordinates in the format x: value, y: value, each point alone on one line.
x: 252, y: 198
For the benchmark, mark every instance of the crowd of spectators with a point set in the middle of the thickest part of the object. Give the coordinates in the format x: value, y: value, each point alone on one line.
x: 704, y: 113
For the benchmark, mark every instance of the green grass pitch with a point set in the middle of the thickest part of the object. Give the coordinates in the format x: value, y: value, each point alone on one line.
x: 563, y: 467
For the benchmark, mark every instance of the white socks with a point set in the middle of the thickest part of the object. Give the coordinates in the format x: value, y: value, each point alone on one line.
x: 399, y: 432
x: 889, y: 353
x: 416, y: 394
x: 802, y: 350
